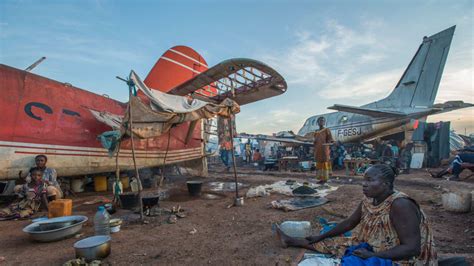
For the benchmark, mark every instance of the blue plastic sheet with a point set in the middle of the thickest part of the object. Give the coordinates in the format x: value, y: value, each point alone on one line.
x: 353, y: 260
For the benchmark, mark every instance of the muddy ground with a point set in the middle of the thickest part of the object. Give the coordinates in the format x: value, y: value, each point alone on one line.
x: 238, y: 235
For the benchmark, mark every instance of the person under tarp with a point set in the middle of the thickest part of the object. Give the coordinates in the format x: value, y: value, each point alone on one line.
x: 225, y: 143
x: 50, y: 178
x: 33, y: 194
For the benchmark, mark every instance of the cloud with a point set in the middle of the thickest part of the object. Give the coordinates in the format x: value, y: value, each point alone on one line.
x: 334, y: 57
x: 352, y: 64
x: 457, y: 84
x: 274, y: 121
x: 368, y: 88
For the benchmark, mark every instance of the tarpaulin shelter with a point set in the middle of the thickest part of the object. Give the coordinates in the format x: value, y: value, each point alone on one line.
x: 437, y: 139
x: 162, y: 111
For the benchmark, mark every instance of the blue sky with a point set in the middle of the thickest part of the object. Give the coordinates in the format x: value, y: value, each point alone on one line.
x: 347, y: 52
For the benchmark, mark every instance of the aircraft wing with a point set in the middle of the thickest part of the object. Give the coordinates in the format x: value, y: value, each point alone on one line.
x: 276, y: 139
x: 366, y: 111
x: 240, y: 79
x: 451, y: 106
x: 440, y: 108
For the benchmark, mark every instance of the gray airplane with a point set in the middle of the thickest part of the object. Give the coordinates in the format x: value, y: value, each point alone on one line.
x: 411, y: 100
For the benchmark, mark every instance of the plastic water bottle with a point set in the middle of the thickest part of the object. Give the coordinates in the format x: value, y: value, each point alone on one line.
x: 300, y: 229
x: 102, y: 222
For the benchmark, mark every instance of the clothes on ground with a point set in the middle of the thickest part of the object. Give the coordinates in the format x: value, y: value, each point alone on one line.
x: 31, y: 194
x: 285, y: 188
x: 298, y: 203
x: 311, y: 259
x: 352, y: 260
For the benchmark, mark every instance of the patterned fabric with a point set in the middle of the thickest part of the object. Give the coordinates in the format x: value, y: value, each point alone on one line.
x: 323, y: 170
x: 31, y: 194
x: 322, y: 152
x: 376, y: 229
x: 223, y: 132
x: 335, y: 245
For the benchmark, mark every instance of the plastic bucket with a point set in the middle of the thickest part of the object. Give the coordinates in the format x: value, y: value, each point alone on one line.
x: 100, y: 183
x: 194, y: 188
x: 459, y: 201
x: 125, y: 182
x: 77, y: 185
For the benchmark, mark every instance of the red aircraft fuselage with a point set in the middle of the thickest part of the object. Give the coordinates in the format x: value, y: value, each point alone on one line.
x: 44, y: 116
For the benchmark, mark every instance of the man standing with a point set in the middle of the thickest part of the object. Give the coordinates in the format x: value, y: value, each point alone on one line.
x: 322, y: 141
x: 248, y: 152
x: 257, y: 157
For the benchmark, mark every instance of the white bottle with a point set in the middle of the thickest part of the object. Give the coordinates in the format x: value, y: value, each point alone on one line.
x: 299, y: 229
x: 134, y: 184
x: 102, y: 222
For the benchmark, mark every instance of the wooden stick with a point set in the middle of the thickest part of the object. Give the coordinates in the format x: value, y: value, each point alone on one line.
x: 133, y: 153
x: 164, y: 160
x: 117, y: 171
x: 231, y: 129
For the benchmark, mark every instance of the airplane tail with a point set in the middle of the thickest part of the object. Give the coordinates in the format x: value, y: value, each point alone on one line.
x: 419, y: 83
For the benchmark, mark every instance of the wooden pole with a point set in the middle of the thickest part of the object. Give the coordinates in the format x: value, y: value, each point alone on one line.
x: 117, y: 172
x: 231, y: 128
x: 133, y: 153
x: 164, y: 160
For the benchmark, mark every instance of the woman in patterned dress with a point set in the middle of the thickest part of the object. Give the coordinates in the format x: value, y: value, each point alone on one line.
x: 388, y: 220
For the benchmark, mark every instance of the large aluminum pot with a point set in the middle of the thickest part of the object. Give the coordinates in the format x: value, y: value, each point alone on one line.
x: 93, y: 248
x: 56, y: 228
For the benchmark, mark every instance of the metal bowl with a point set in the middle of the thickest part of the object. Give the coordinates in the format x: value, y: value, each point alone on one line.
x: 93, y: 248
x: 56, y: 228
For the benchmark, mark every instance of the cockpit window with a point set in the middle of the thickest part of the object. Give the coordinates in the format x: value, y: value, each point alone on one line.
x: 344, y: 119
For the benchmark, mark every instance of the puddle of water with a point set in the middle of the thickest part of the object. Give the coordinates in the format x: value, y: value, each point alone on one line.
x: 182, y: 196
x: 223, y: 186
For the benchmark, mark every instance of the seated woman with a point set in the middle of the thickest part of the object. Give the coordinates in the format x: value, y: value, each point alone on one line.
x: 49, y: 178
x: 33, y: 194
x: 388, y: 220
